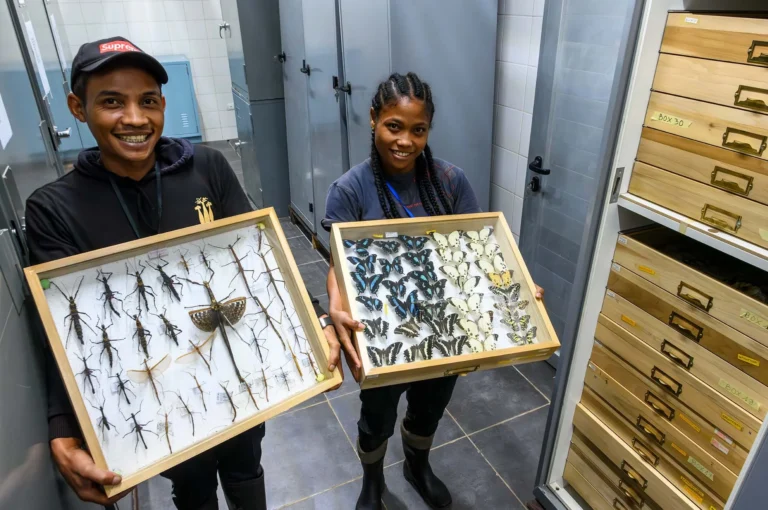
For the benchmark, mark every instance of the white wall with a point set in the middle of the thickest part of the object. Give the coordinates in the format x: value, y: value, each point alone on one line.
x: 517, y: 57
x: 175, y: 27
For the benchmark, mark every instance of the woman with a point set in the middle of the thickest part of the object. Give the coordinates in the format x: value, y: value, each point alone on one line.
x: 401, y: 178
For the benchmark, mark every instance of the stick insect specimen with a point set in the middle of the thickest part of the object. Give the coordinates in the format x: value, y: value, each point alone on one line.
x: 149, y: 374
x: 87, y: 373
x: 285, y: 378
x: 165, y: 427
x: 199, y: 350
x: 142, y: 288
x: 74, y: 314
x: 184, y: 262
x: 231, y: 402
x: 273, y: 282
x: 103, y: 422
x: 205, y: 260
x: 138, y: 429
x: 200, y: 389
x: 258, y: 345
x: 186, y: 409
x: 143, y: 335
x: 311, y: 363
x: 106, y: 345
x: 265, y: 383
x: 171, y: 330
x: 121, y: 387
x: 247, y: 387
x: 169, y: 281
x: 109, y: 296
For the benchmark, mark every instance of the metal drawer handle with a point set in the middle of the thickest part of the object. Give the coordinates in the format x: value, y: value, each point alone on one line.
x: 666, y: 381
x: 760, y: 58
x: 729, y: 185
x: 659, y: 406
x: 643, y: 451
x: 461, y: 371
x: 633, y: 475
x: 694, y: 296
x: 676, y: 354
x: 719, y: 222
x: 650, y: 431
x: 618, y: 505
x: 630, y: 493
x: 744, y: 147
x: 748, y: 102
x: 685, y: 327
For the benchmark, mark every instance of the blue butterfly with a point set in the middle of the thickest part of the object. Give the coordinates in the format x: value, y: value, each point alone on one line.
x: 371, y: 303
x: 432, y: 290
x: 387, y: 266
x: 363, y: 264
x: 403, y: 308
x: 417, y: 258
x: 413, y: 243
x: 388, y: 246
x: 396, y: 288
x: 362, y: 243
x: 429, y: 268
x: 363, y: 282
x: 421, y: 277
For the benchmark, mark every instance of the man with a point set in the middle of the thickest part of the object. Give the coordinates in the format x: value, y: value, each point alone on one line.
x: 136, y: 184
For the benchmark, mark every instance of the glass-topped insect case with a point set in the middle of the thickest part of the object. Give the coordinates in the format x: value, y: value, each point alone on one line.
x: 172, y: 344
x: 439, y: 296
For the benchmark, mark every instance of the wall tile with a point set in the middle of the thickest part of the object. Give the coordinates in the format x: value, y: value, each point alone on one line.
x: 217, y: 47
x: 93, y: 12
x: 519, y: 7
x: 504, y: 168
x: 212, y: 9
x: 220, y: 66
x: 198, y: 48
x: 159, y: 30
x: 578, y: 109
x: 579, y: 136
x: 193, y: 9
x: 517, y: 215
x: 517, y: 39
x: 503, y: 201
x: 588, y: 57
x: 506, y: 127
x: 223, y: 83
x: 222, y: 100
x: 525, y: 134
x: 530, y: 89
x: 521, y: 176
x: 162, y: 48
x: 97, y: 31
x: 177, y: 30
x: 211, y: 135
x: 181, y: 47
x: 601, y: 30
x: 210, y: 117
x: 201, y: 67
x: 116, y: 29
x: 227, y: 118
x: 597, y: 7
x: 139, y: 31
x: 71, y: 14
x: 204, y: 85
x: 533, y: 51
x: 77, y: 35
x: 196, y: 29
x: 114, y: 13
x: 174, y: 11
x: 538, y: 8
x: 212, y: 28
x: 510, y: 84
x: 229, y: 133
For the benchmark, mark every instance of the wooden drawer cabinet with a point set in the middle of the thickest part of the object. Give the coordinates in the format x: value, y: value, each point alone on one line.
x: 720, y: 168
x: 734, y: 129
x: 728, y: 38
x: 687, y: 354
x: 645, y: 478
x: 577, y: 479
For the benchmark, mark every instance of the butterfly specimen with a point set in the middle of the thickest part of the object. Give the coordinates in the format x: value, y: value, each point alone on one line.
x: 431, y: 311
x: 451, y: 240
x: 413, y: 243
x: 396, y: 288
x: 403, y: 308
x: 387, y: 266
x: 360, y: 244
x: 487, y: 344
x: 518, y: 339
x: 423, y: 350
x: 517, y: 322
x: 417, y: 258
x: 363, y: 264
x: 411, y: 329
x: 458, y: 274
x: 429, y: 268
x: 485, y: 323
x: 488, y: 250
x: 454, y: 346
x: 371, y: 303
x: 432, y: 290
x: 481, y: 236
x: 510, y: 293
x: 364, y: 283
x: 467, y: 306
x: 469, y: 285
x: 375, y: 327
x: 386, y: 356
x: 451, y: 257
x: 443, y: 326
x: 388, y: 246
x: 470, y: 328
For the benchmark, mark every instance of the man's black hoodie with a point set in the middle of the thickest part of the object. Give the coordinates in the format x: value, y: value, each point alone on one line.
x: 80, y: 212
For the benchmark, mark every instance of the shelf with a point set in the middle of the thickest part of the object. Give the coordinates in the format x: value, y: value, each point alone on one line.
x: 726, y: 243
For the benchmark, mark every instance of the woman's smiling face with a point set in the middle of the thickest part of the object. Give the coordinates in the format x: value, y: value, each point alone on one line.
x: 400, y: 132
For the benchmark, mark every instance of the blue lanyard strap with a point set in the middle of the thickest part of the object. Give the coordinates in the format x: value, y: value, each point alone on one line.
x: 397, y: 197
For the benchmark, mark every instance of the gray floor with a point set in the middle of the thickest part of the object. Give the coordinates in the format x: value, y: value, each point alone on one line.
x: 486, y: 449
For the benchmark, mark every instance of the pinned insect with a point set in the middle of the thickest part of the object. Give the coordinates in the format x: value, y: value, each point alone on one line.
x: 231, y: 402
x: 413, y: 243
x: 312, y: 365
x: 109, y: 296
x: 142, y: 335
x: 238, y: 261
x: 423, y: 350
x: 149, y: 374
x: 510, y: 293
x: 273, y: 282
x: 481, y: 236
x: 199, y: 388
x: 246, y: 386
x: 141, y: 288
x: 444, y: 326
x: 396, y: 288
x: 385, y: 356
x: 360, y: 246
x: 258, y: 345
x: 409, y: 329
x: 204, y: 258
x: 138, y: 429
x: 103, y: 423
x: 122, y: 389
x: 375, y: 328
x: 488, y: 251
x: 171, y: 330
x: 388, y: 246
x: 165, y: 428
x: 198, y: 351
x: 184, y: 262
x: 285, y: 378
x: 371, y: 303
x: 451, y: 257
x: 417, y: 258
x: 403, y: 308
x: 265, y: 383
x: 106, y: 345
x: 74, y: 314
x: 363, y: 264
x: 387, y: 266
x: 364, y: 283
x: 452, y: 240
x: 186, y: 409
x: 467, y: 306
x: 87, y: 373
x: 454, y: 346
x: 169, y: 281
x: 432, y: 290
x: 431, y: 311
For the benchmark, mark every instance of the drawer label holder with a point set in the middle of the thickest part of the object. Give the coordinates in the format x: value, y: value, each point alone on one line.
x: 672, y: 120
x: 689, y: 422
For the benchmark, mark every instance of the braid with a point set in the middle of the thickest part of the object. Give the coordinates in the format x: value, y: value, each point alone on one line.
x: 436, y: 181
x: 427, y: 195
x: 390, y: 209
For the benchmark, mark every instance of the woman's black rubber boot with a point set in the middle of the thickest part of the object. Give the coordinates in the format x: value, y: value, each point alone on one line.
x: 246, y: 495
x: 373, y: 478
x: 418, y: 472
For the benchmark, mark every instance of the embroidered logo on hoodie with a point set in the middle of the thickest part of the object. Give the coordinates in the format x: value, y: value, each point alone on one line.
x: 204, y: 209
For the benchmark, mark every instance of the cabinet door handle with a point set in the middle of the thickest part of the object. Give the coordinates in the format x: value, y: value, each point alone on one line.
x: 659, y: 406
x: 721, y: 218
x: 643, y: 451
x: 694, y: 296
x: 676, y: 354
x: 744, y: 146
x: 754, y: 57
x: 650, y: 431
x: 685, y: 327
x: 633, y: 475
x: 666, y: 381
x: 729, y: 185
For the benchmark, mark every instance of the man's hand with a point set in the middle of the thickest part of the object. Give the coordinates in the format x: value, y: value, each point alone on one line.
x: 81, y: 473
x: 344, y: 325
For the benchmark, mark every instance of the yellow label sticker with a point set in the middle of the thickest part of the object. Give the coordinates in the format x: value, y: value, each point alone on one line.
x: 736, y: 392
x: 692, y: 491
x: 646, y: 269
x: 763, y: 233
x: 672, y: 120
x: 430, y: 232
x: 378, y: 236
x: 732, y: 422
x: 747, y: 359
x: 753, y: 318
x: 628, y: 320
x: 711, y: 507
x: 678, y: 450
x: 700, y: 467
x: 690, y: 422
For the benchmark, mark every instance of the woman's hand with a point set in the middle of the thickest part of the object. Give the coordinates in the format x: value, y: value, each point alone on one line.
x: 345, y: 324
x: 80, y: 472
x: 539, y: 292
x: 335, y: 347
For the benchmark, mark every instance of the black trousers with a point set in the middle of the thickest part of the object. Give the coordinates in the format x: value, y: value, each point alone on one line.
x: 235, y: 460
x: 427, y: 401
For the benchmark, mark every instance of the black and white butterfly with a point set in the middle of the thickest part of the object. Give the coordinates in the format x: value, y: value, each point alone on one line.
x: 421, y: 351
x: 454, y: 346
x: 431, y: 311
x: 388, y: 246
x: 413, y: 243
x: 386, y: 356
x: 488, y: 251
x: 411, y: 329
x: 371, y: 303
x: 452, y: 240
x: 480, y: 236
x: 417, y: 258
x: 364, y: 283
x: 396, y: 288
x: 362, y: 243
x: 451, y: 257
x: 404, y: 308
x: 364, y: 264
x: 387, y: 266
x: 375, y: 328
x: 443, y: 326
x: 432, y: 290
x: 458, y: 273
x: 467, y: 306
x: 509, y: 293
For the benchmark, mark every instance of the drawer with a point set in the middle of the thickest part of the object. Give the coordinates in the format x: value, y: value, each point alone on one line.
x: 738, y: 216
x: 698, y: 427
x: 734, y: 129
x: 654, y: 460
x: 725, y: 461
x: 720, y: 168
x: 688, y: 354
x: 728, y: 38
x: 646, y: 478
x: 722, y: 83
x: 738, y: 349
x: 577, y: 479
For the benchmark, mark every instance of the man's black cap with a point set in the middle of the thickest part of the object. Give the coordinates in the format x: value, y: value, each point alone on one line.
x: 93, y: 55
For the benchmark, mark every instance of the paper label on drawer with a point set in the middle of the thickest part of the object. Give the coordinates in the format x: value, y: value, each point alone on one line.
x: 694, y: 492
x: 747, y: 359
x: 622, y: 240
x: 592, y: 366
x: 682, y: 228
x: 753, y: 318
x: 679, y: 450
x: 610, y: 293
x: 378, y: 236
x: 689, y: 421
x: 725, y: 437
x: 616, y: 267
x: 732, y: 422
x: 736, y: 392
x: 720, y: 446
x: 628, y: 320
x: 646, y: 269
x: 390, y: 234
x: 672, y: 120
x: 693, y: 21
x: 700, y: 467
x: 763, y: 233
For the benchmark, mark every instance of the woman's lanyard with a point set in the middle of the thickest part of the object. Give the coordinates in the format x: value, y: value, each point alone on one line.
x: 127, y: 213
x: 397, y: 197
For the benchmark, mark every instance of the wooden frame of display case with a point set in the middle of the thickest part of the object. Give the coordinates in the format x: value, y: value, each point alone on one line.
x: 456, y: 365
x: 294, y: 286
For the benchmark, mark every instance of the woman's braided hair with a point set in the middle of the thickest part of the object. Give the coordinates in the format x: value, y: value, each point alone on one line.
x: 389, y: 92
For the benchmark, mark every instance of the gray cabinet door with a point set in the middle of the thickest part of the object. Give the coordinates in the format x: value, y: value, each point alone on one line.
x: 229, y: 30
x: 245, y: 149
x: 261, y: 41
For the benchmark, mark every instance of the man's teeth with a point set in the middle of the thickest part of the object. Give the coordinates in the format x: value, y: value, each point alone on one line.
x: 402, y: 154
x: 133, y: 138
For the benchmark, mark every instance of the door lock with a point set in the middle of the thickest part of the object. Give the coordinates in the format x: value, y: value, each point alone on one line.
x: 281, y: 57
x: 305, y: 68
x: 223, y: 26
x: 535, y: 184
x: 347, y: 88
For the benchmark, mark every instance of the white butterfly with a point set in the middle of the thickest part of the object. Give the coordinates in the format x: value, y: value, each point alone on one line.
x: 451, y: 257
x: 452, y: 239
x: 470, y: 305
x: 479, y: 237
x: 485, y: 266
x: 487, y: 251
x: 470, y: 328
x: 485, y: 323
x: 498, y: 263
x: 488, y: 344
x: 458, y: 274
x: 469, y: 285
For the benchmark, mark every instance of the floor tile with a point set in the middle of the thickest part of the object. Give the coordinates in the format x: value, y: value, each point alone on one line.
x: 314, y: 275
x: 472, y: 482
x: 348, y: 410
x: 349, y: 385
x: 342, y: 497
x: 305, y: 452
x: 312, y: 401
x: 289, y: 228
x: 302, y: 250
x: 541, y: 374
x: 513, y: 448
x: 485, y: 398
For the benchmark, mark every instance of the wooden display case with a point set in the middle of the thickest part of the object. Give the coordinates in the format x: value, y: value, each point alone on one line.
x: 372, y: 376
x: 309, y: 350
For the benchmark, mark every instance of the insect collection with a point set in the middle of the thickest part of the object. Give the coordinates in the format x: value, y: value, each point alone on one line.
x: 173, y: 346
x: 442, y: 294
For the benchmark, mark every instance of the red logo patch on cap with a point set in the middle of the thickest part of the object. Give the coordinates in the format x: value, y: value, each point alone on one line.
x: 117, y: 46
